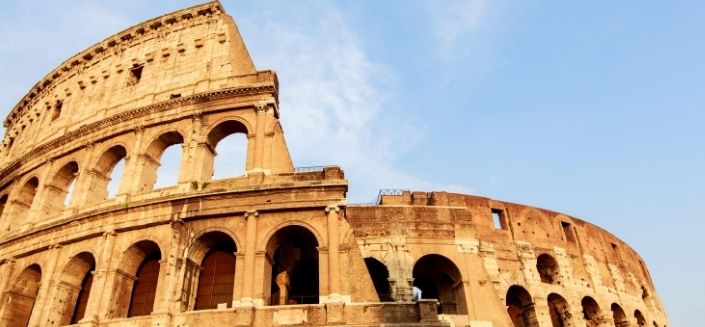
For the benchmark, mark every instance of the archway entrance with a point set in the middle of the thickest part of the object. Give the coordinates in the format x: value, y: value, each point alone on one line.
x: 520, y: 307
x: 21, y: 297
x: 618, y: 315
x: 216, y: 278
x: 558, y: 308
x: 380, y: 278
x: 291, y: 277
x: 439, y: 278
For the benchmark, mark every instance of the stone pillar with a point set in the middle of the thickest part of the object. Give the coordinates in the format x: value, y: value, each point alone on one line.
x: 99, y: 299
x: 259, y: 136
x: 283, y: 283
x: 248, y: 286
x: 6, y: 271
x: 542, y: 309
x: 170, y: 292
x: 47, y: 285
x: 131, y: 173
x: 333, y: 253
x: 191, y: 163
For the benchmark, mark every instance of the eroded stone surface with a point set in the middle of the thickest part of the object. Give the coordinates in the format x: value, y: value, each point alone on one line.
x: 276, y: 246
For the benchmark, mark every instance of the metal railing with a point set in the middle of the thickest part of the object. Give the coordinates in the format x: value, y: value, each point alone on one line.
x: 390, y: 191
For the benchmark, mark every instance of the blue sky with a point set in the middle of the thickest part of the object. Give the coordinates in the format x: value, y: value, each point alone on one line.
x: 594, y: 109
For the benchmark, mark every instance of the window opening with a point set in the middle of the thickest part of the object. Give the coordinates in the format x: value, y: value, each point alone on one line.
x: 568, y: 232
x: 498, y: 219
x: 135, y: 75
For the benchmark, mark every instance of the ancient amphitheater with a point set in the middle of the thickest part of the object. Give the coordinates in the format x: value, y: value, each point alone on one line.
x: 276, y: 246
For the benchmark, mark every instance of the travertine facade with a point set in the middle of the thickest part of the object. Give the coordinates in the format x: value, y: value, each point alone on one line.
x: 277, y: 246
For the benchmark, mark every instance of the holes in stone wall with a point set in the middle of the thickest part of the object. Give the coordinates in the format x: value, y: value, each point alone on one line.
x: 56, y: 110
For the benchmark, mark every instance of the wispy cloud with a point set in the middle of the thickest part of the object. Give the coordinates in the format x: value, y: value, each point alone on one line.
x: 337, y: 104
x: 456, y: 24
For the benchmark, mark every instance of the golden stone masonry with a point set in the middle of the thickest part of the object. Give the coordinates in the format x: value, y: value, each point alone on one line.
x: 277, y: 246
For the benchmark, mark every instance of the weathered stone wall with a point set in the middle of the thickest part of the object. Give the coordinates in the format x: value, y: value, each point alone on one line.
x: 587, y: 261
x: 275, y: 246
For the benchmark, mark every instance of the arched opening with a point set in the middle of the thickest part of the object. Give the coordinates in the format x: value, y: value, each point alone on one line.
x: 520, y: 307
x: 215, y: 251
x: 618, y: 315
x: 136, y: 284
x: 228, y: 145
x: 23, y: 203
x: 59, y: 193
x: 547, y: 268
x: 380, y: 278
x: 3, y: 203
x: 591, y: 311
x: 291, y: 277
x: 162, y: 162
x: 107, y: 174
x: 640, y: 320
x: 559, y: 311
x: 74, y: 286
x: 21, y: 297
x: 439, y: 278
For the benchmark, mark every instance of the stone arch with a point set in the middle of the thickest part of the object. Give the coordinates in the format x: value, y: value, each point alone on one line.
x: 291, y: 273
x: 548, y: 269
x: 23, y: 201
x: 74, y: 286
x: 136, y: 280
x: 520, y: 306
x: 439, y: 278
x: 102, y: 172
x: 559, y: 310
x: 20, y: 299
x: 591, y: 311
x: 151, y: 160
x: 210, y: 275
x: 302, y: 224
x: 618, y: 316
x: 380, y: 279
x: 59, y: 189
x: 640, y: 320
x: 226, y: 128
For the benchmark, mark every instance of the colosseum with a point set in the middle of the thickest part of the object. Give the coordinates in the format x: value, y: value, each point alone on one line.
x: 276, y: 246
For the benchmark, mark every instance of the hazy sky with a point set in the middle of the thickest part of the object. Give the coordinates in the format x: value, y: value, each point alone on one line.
x: 595, y: 109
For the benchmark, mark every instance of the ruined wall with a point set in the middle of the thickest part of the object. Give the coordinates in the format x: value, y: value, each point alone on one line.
x: 497, y: 253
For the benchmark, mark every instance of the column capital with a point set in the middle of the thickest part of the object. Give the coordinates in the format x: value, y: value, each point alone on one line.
x: 251, y: 213
x: 332, y: 207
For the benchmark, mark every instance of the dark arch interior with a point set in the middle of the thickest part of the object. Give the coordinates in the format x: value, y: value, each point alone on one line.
x: 81, y: 303
x: 295, y: 257
x: 380, y: 278
x: 439, y: 278
x: 547, y: 268
x: 558, y: 309
x: 216, y: 280
x: 520, y: 307
x: 591, y: 311
x: 618, y: 315
x: 145, y: 286
x: 224, y: 129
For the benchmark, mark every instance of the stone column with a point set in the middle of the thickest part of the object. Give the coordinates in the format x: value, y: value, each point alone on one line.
x: 333, y: 253
x: 47, y: 284
x: 6, y: 271
x: 259, y: 135
x: 250, y: 251
x: 99, y: 298
x: 171, y: 267
x: 191, y: 163
x: 130, y: 183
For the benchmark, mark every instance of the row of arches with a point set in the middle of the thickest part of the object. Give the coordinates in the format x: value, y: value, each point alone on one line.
x: 117, y: 170
x: 208, y: 279
x: 520, y: 307
x: 436, y: 276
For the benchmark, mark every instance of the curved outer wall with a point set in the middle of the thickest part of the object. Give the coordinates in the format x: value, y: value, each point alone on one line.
x: 151, y: 256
